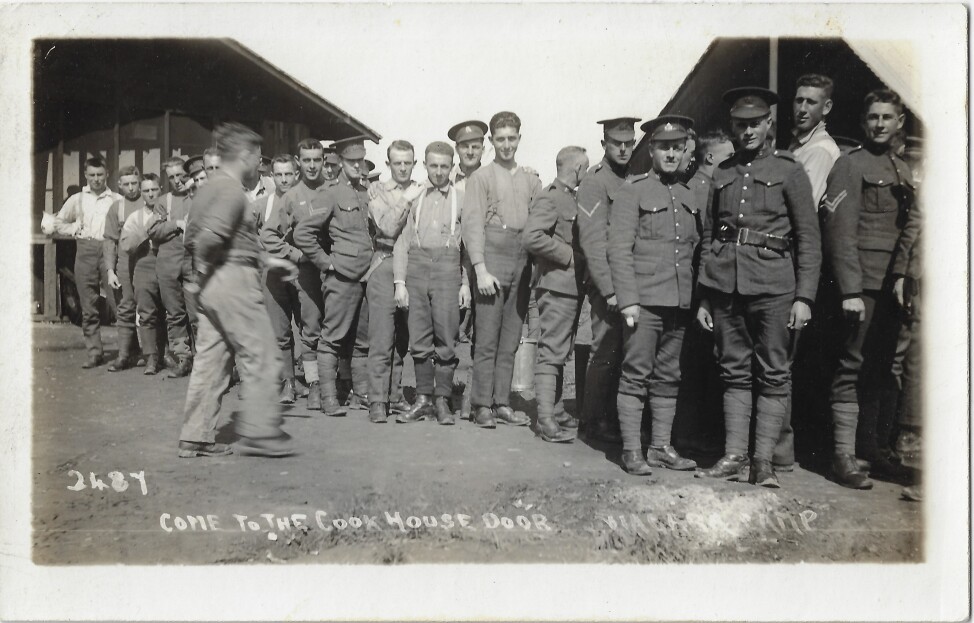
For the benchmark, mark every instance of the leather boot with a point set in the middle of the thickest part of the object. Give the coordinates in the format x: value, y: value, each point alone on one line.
x: 357, y: 401
x: 378, y: 413
x: 287, y: 396
x: 152, y: 365
x: 729, y: 466
x: 421, y: 409
x: 633, y: 463
x: 668, y: 457
x: 846, y: 472
x: 400, y: 406
x: 762, y: 474
x: 314, y: 396
x: 484, y: 417
x: 507, y: 415
x: 549, y: 430
x: 126, y: 350
x: 183, y: 368
x: 327, y: 376
x: 444, y: 413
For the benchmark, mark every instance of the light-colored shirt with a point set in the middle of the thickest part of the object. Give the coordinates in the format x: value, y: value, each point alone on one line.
x: 817, y: 152
x: 387, y: 210
x: 83, y: 214
x: 433, y: 223
x: 495, y: 196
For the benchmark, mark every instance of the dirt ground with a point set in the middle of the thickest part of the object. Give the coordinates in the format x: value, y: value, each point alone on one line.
x: 365, y: 493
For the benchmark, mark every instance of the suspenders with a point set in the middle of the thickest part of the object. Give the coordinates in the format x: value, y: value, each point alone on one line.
x: 453, y: 214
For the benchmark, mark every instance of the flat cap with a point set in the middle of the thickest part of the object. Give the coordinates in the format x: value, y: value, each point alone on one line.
x: 620, y: 128
x: 193, y: 165
x: 667, y: 127
x: 369, y: 166
x: 352, y: 148
x: 467, y: 130
x: 750, y: 102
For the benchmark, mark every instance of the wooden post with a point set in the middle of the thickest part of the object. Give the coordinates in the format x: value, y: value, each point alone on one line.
x: 166, y: 149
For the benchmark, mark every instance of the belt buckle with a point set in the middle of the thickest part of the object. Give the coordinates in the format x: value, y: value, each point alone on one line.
x: 742, y: 235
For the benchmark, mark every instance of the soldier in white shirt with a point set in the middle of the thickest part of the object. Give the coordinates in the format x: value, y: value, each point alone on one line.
x: 83, y: 217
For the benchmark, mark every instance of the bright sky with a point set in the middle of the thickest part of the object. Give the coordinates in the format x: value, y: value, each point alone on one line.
x: 421, y: 69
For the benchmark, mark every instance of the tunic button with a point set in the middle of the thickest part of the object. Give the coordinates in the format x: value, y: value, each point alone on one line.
x: 745, y: 188
x: 748, y: 164
x: 677, y: 250
x: 747, y: 175
x: 677, y: 263
x: 740, y: 216
x: 677, y: 237
x: 742, y: 201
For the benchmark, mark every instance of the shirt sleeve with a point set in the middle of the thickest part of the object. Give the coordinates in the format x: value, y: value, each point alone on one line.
x: 161, y: 229
x: 388, y: 213
x: 817, y: 164
x: 67, y: 222
x: 400, y: 251
x: 474, y: 218
x: 109, y: 243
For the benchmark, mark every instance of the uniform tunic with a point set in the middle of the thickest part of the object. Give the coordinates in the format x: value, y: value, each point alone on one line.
x: 751, y: 288
x: 336, y: 238
x: 654, y: 229
x: 593, y: 231
x: 551, y: 237
x: 871, y: 223
x: 495, y: 209
x: 277, y: 236
x: 83, y: 217
x: 283, y: 304
x: 233, y: 321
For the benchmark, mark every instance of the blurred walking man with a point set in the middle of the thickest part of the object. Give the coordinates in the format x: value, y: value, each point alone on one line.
x: 233, y: 321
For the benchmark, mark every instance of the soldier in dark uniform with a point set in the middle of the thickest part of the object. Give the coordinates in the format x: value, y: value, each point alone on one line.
x: 654, y: 229
x: 277, y: 236
x: 754, y: 295
x: 593, y: 225
x: 550, y: 236
x: 283, y: 302
x: 336, y: 238
x: 226, y: 257
x: 871, y: 222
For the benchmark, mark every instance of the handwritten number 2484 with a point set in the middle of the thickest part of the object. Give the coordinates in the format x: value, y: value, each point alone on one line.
x: 117, y: 479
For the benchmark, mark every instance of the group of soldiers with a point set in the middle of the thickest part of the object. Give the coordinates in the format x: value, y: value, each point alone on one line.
x: 725, y: 231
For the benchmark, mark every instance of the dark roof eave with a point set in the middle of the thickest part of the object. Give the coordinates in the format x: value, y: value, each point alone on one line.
x: 300, y: 87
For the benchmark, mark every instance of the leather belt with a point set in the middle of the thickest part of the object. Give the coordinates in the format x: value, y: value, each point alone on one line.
x: 753, y: 238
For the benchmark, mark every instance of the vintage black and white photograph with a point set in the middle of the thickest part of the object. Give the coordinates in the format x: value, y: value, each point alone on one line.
x: 465, y: 293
